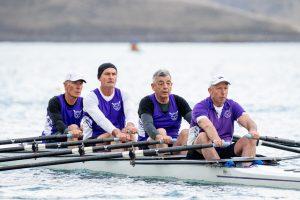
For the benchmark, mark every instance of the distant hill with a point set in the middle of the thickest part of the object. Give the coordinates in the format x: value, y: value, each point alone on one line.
x: 146, y: 20
x: 282, y: 10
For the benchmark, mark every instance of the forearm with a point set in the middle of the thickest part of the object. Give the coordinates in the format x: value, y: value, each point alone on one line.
x: 148, y: 125
x: 247, y: 123
x: 209, y: 129
x: 211, y: 133
x: 251, y: 125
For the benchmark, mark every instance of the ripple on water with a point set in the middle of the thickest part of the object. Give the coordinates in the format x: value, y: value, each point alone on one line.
x: 251, y: 67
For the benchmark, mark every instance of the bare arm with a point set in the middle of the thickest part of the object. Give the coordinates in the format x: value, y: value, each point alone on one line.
x: 210, y: 130
x: 246, y: 122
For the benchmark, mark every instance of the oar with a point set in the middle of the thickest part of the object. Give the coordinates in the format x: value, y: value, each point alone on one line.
x: 273, y: 145
x: 125, y: 154
x: 41, y: 146
x: 80, y: 150
x: 39, y: 138
x: 287, y: 142
x: 235, y: 159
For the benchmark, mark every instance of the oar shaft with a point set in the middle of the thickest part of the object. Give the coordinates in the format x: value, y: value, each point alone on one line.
x: 80, y: 142
x: 77, y: 150
x: 279, y: 146
x: 42, y: 146
x: 59, y: 162
x: 273, y: 145
x: 125, y: 154
x: 31, y: 139
x: 11, y: 149
x: 288, y: 142
x: 152, y: 152
x: 35, y: 155
x: 125, y: 145
x: 205, y: 162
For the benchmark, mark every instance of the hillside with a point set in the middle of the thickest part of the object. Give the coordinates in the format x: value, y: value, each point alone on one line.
x: 284, y: 11
x: 140, y: 20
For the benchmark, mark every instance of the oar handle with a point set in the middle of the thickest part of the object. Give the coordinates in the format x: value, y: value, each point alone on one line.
x: 249, y: 136
x: 224, y: 144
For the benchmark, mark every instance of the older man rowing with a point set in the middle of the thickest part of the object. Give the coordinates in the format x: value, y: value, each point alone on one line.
x: 161, y: 113
x: 213, y: 122
x: 108, y: 110
x: 64, y: 111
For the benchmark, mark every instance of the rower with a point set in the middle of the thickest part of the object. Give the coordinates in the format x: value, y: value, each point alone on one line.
x: 213, y: 122
x: 64, y: 111
x: 161, y: 113
x: 134, y: 46
x: 108, y: 110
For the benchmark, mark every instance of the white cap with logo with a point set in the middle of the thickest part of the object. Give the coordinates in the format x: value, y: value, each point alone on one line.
x: 218, y: 79
x: 74, y: 77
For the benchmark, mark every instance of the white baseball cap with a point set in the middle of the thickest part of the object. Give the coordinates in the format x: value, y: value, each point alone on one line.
x: 218, y: 79
x: 74, y: 77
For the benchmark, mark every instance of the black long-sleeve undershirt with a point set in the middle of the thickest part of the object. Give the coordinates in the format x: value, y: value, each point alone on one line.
x: 146, y: 109
x: 54, y: 112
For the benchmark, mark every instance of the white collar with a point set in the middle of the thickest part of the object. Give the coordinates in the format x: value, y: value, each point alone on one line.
x: 107, y: 98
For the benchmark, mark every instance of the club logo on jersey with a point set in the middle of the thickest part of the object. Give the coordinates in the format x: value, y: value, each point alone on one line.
x: 77, y: 113
x: 117, y: 106
x: 174, y: 115
x: 227, y: 114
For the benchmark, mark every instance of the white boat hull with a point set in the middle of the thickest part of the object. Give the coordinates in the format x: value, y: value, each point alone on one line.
x: 260, y: 175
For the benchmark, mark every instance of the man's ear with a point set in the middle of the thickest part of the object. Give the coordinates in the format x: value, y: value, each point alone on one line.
x: 209, y: 90
x: 152, y: 86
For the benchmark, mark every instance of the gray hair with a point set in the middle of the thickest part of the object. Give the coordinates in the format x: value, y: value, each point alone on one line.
x: 160, y: 73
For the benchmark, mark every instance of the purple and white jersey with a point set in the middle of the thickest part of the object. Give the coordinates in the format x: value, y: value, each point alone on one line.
x: 71, y: 114
x: 170, y: 120
x: 112, y: 109
x: 225, y: 124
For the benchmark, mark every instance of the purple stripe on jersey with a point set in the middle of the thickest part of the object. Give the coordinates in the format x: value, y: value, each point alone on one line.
x: 225, y: 124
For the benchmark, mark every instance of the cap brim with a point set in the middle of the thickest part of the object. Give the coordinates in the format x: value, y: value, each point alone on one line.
x: 77, y: 80
x: 81, y: 80
x: 223, y: 81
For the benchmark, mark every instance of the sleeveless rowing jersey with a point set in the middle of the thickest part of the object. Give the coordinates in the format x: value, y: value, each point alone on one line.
x: 113, y: 111
x: 71, y: 114
x: 170, y: 120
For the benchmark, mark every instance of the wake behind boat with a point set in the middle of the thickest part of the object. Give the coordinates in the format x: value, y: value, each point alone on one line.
x: 269, y: 175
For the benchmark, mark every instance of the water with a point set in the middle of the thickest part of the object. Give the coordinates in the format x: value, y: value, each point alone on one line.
x: 265, y: 81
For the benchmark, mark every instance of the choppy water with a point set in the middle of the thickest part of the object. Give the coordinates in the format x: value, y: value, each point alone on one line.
x: 265, y: 80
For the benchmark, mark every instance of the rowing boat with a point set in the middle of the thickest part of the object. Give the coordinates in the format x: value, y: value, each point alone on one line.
x: 180, y: 168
